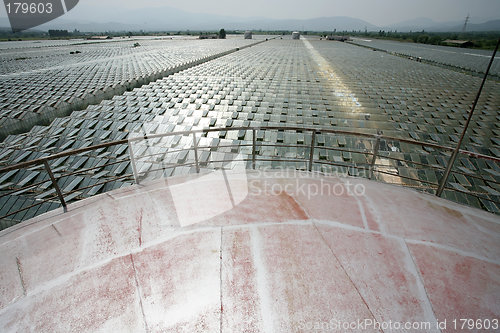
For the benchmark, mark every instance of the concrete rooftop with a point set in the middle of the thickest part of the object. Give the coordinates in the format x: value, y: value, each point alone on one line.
x: 251, y: 252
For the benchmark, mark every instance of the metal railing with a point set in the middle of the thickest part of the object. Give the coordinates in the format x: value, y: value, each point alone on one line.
x: 378, y: 162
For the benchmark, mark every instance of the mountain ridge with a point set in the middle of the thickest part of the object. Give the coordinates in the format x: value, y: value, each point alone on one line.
x: 172, y: 19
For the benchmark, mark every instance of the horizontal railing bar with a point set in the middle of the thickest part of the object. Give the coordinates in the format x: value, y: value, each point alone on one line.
x: 369, y: 153
x: 23, y: 188
x: 475, y: 194
x: 218, y: 129
x: 99, y: 183
x: 405, y: 177
x: 412, y: 162
x: 90, y: 169
x: 266, y: 144
x: 13, y: 191
x: 62, y: 154
x: 66, y: 194
x: 433, y: 185
x: 478, y: 155
x: 268, y: 159
x: 259, y: 144
x: 290, y: 128
x: 474, y: 176
x: 54, y: 198
x: 430, y: 166
x: 472, y: 193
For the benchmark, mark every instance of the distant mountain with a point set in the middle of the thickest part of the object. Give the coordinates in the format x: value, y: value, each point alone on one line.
x: 87, y: 19
x: 427, y: 24
x: 339, y: 23
x: 181, y: 21
x: 161, y: 18
x: 493, y: 25
x: 87, y: 26
x: 166, y: 18
x: 412, y: 25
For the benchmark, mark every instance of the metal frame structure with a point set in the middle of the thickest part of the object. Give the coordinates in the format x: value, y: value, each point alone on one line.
x: 466, y: 126
x: 256, y: 157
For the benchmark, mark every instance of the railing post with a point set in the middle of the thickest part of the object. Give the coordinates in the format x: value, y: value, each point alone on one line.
x: 195, y: 146
x: 56, y: 186
x: 375, y: 155
x: 311, y: 154
x: 451, y: 162
x: 132, y: 161
x: 254, y: 143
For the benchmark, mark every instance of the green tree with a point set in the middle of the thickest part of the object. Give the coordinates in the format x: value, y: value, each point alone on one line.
x: 423, y: 39
x: 435, y: 40
x: 222, y: 34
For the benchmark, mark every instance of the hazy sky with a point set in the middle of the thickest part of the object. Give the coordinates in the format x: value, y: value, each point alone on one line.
x: 378, y: 12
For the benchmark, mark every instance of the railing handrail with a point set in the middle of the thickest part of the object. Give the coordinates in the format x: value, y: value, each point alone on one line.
x: 66, y: 153
x: 308, y: 159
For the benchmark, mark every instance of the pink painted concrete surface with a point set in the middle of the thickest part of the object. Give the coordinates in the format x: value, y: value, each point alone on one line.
x: 273, y: 252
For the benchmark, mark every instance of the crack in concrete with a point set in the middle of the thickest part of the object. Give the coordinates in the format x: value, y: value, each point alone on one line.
x: 346, y: 274
x: 412, y: 267
x: 20, y: 271
x: 139, y: 293
x: 53, y: 226
x: 220, y: 278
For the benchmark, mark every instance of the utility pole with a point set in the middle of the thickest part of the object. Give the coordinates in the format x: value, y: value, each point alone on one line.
x: 456, y: 151
x: 466, y: 21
